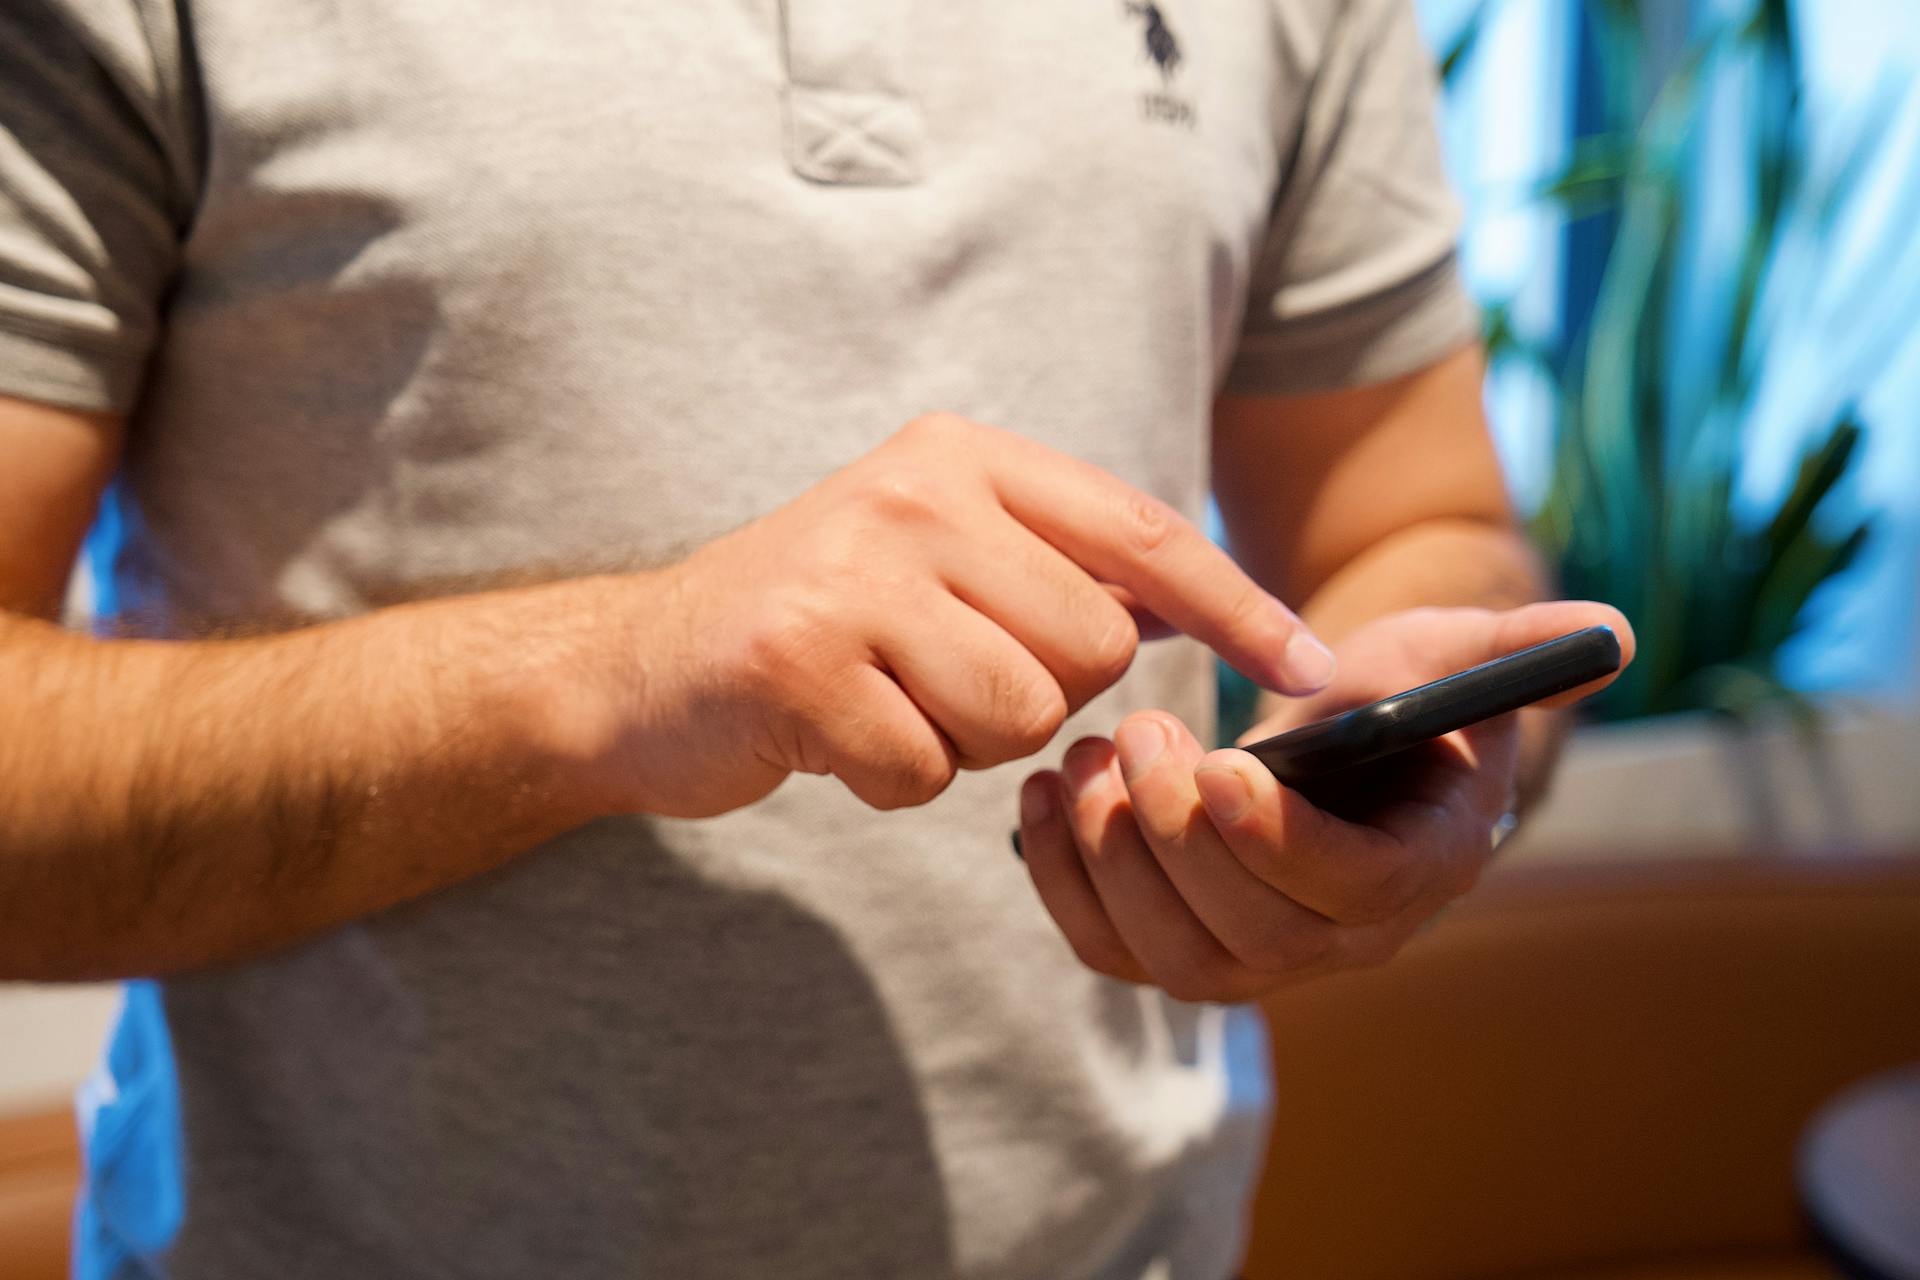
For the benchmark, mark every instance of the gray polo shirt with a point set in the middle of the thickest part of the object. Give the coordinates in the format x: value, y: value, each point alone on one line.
x: 406, y: 297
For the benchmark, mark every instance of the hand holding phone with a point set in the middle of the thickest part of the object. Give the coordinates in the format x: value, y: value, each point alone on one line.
x: 1197, y: 870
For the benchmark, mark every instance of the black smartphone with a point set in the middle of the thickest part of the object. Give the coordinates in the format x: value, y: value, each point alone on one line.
x: 1315, y: 754
x: 1349, y: 763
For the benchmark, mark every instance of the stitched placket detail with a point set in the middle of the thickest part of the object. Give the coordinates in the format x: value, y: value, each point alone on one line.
x: 849, y: 119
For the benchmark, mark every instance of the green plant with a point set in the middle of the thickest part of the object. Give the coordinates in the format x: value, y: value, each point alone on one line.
x: 1656, y: 392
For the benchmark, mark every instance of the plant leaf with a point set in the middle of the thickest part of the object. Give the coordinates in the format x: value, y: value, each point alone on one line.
x: 1791, y: 582
x: 1594, y: 177
x: 1464, y: 42
x: 1821, y: 468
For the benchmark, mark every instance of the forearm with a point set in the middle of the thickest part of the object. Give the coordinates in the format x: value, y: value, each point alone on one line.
x: 1436, y: 562
x: 168, y: 805
x: 1447, y: 562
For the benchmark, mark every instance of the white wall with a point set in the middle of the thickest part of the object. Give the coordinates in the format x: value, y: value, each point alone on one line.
x: 1692, y: 784
x: 50, y: 1037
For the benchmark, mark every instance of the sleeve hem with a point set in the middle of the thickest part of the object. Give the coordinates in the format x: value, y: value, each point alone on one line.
x: 1408, y: 327
x: 68, y: 374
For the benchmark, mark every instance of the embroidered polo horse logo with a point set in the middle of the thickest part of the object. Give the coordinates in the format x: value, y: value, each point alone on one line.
x: 1161, y: 45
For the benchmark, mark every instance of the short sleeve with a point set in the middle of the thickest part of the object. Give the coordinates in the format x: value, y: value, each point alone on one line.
x: 1357, y: 281
x: 97, y: 184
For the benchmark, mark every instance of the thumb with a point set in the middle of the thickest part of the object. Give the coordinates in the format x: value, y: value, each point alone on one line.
x: 1516, y: 629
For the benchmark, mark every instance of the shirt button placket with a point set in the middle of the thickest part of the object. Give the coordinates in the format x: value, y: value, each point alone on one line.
x: 849, y: 118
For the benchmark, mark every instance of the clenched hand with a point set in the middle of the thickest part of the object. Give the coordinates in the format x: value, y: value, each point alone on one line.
x: 943, y: 603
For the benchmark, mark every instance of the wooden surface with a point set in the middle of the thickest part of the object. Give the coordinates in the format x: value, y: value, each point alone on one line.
x: 1583, y: 1071
x: 39, y: 1172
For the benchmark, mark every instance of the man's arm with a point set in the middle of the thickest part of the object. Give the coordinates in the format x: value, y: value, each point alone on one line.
x: 938, y: 604
x: 57, y: 463
x: 167, y: 805
x: 1374, y: 500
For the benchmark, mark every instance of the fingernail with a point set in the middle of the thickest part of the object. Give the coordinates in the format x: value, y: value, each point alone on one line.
x: 1036, y: 802
x: 1224, y: 792
x: 1085, y: 768
x: 1140, y: 743
x: 1306, y: 663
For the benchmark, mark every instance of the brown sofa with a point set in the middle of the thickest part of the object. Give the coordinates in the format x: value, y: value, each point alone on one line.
x: 39, y: 1168
x: 1579, y: 1074
x: 1596, y: 1072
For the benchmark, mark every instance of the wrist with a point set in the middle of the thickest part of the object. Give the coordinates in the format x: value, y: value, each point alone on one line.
x: 566, y: 659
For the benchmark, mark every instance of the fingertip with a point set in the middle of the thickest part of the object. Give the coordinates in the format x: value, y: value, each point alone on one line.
x: 1622, y: 631
x: 1577, y: 614
x: 1039, y: 799
x: 1247, y: 774
x: 1307, y: 664
x: 1224, y: 792
x: 1549, y: 618
x: 1085, y: 761
x: 1042, y: 805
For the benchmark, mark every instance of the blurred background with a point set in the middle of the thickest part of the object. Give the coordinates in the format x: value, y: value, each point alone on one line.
x: 1676, y: 1032
x: 1691, y: 225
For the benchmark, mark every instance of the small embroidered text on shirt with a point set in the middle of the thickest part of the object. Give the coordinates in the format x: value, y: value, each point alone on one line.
x: 1163, y: 105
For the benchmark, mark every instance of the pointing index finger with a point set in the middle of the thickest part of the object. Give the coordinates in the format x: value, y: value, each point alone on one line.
x: 1136, y: 541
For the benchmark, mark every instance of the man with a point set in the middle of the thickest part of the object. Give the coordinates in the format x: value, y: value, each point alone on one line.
x: 507, y: 404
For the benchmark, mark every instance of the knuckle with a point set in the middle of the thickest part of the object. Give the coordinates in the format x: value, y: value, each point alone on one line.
x: 779, y: 653
x: 1017, y: 715
x: 902, y: 495
x: 940, y: 429
x: 1252, y: 608
x: 1037, y: 721
x: 921, y: 778
x: 1147, y: 524
x: 1113, y: 649
x: 891, y: 798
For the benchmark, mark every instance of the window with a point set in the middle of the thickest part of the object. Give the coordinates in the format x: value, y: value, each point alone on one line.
x: 1851, y: 333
